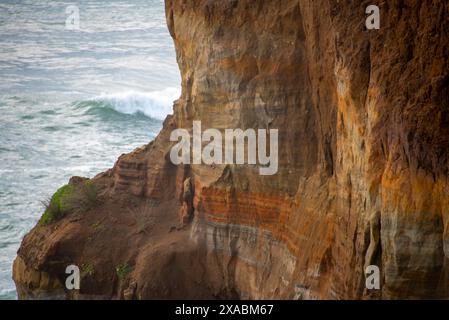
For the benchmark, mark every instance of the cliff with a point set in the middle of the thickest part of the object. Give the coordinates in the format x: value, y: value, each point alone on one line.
x: 363, y: 119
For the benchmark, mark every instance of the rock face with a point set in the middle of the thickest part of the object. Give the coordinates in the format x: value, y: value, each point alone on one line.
x: 363, y: 119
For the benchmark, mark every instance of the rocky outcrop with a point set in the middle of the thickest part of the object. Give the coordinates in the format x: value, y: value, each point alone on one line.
x: 363, y: 119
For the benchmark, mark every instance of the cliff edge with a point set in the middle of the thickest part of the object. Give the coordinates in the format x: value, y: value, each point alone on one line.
x: 363, y: 120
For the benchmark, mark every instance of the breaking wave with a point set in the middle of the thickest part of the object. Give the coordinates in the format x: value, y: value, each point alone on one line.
x: 156, y: 105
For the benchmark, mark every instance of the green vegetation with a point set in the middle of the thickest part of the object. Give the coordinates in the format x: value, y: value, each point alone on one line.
x: 142, y: 216
x: 123, y: 271
x: 82, y: 197
x: 56, y: 206
x: 87, y: 269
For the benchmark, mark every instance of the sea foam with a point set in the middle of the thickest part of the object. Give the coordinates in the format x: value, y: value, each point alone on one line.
x: 156, y: 104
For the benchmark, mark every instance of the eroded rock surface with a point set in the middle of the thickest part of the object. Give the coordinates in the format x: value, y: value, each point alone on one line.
x: 363, y: 119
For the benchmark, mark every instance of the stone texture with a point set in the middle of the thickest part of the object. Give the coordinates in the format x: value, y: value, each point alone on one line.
x: 363, y: 119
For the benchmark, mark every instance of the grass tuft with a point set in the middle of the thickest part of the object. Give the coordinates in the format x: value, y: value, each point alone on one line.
x: 80, y: 198
x: 142, y: 216
x: 123, y: 271
x: 56, y: 206
x: 87, y: 269
x: 84, y: 197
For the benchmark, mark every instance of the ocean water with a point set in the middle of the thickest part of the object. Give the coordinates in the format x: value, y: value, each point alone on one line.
x: 72, y: 101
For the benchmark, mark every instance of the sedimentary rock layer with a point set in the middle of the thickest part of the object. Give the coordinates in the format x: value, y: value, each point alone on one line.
x: 363, y: 119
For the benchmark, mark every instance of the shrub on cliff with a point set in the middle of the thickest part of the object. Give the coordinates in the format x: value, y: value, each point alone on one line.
x: 81, y: 197
x: 87, y: 269
x: 56, y: 206
x: 123, y: 271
